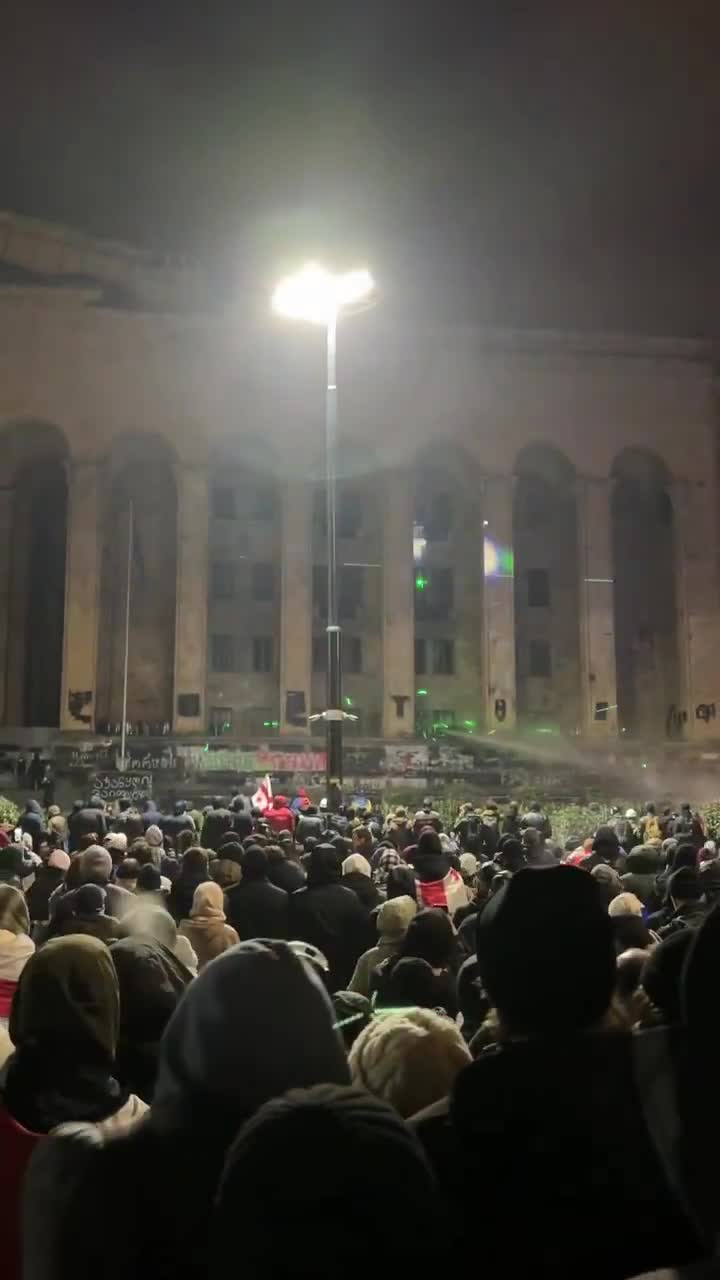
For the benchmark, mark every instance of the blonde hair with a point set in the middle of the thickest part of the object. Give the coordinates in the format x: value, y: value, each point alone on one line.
x: 409, y: 1059
x: 625, y: 904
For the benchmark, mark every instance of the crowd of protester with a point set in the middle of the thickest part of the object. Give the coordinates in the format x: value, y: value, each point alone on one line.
x: 364, y: 1040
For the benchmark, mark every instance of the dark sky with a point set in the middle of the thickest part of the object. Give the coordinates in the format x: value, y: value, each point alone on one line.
x: 548, y: 162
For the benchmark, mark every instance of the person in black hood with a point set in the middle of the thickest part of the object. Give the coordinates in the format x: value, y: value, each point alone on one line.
x: 256, y: 1023
x: 429, y: 937
x: 86, y: 819
x: 563, y: 1088
x: 642, y: 868
x: 217, y: 823
x: 401, y: 882
x: 428, y: 858
x: 329, y: 916
x: 256, y: 908
x: 242, y: 824
x: 685, y: 900
x: 309, y: 824
x: 151, y: 815
x: 194, y: 870
x: 348, y: 1138
x: 32, y: 822
x: 151, y: 981
x: 180, y: 820
x: 282, y: 871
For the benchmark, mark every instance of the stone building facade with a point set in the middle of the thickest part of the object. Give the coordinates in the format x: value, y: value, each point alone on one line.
x: 527, y: 521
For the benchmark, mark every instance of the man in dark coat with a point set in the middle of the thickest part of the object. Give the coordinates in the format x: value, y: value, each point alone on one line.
x: 256, y: 908
x: 86, y: 819
x: 329, y: 916
x: 151, y: 815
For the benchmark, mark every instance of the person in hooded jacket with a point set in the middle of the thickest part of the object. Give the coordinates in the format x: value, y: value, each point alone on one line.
x: 64, y: 1026
x: 283, y: 871
x: 255, y: 1023
x: 561, y: 1086
x: 430, y: 937
x: 279, y: 816
x: 207, y: 930
x: 217, y: 823
x: 328, y: 915
x: 392, y: 918
x: 32, y: 822
x: 438, y: 884
x: 16, y: 945
x: 151, y: 815
x: 256, y: 907
x: 357, y: 875
x: 348, y: 1138
x: 48, y: 878
x: 309, y: 824
x: 85, y: 820
x: 194, y: 870
x: 95, y: 867
x: 151, y: 981
x: 642, y: 868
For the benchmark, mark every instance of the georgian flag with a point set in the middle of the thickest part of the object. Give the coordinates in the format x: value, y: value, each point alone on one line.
x: 263, y: 795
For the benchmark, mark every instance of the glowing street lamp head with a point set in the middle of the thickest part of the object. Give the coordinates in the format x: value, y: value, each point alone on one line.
x: 317, y: 295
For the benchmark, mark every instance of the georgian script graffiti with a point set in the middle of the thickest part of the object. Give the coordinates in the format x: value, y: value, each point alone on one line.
x: 239, y: 760
x: 134, y: 787
x: 705, y: 711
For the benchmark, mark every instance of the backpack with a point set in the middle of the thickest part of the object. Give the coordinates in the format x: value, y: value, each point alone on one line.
x: 652, y: 828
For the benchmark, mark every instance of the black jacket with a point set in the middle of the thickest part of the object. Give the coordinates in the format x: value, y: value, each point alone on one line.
x: 545, y: 1133
x: 216, y: 825
x: 258, y: 909
x: 363, y: 887
x: 287, y: 875
x: 37, y: 897
x: 329, y: 916
x: 32, y: 822
x: 84, y: 821
x: 171, y: 824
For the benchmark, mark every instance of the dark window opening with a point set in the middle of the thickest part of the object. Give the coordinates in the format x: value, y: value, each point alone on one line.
x: 352, y: 655
x: 443, y: 657
x: 263, y: 582
x: 223, y: 580
x: 420, y: 656
x: 221, y: 721
x: 434, y: 592
x: 349, y: 515
x: 263, y: 653
x: 224, y: 653
x: 538, y: 588
x: 319, y: 654
x: 223, y: 503
x: 540, y: 659
x: 263, y: 502
x: 350, y: 591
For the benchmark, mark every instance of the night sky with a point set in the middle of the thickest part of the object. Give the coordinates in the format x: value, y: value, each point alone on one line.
x: 549, y: 163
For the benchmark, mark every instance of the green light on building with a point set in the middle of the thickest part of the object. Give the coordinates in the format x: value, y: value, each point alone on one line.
x: 421, y: 693
x: 420, y: 582
x: 348, y: 702
x: 470, y: 724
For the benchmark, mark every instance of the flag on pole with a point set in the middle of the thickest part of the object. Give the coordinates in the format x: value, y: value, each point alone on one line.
x: 263, y: 795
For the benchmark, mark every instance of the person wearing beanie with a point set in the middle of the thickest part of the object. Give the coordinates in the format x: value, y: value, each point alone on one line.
x: 430, y: 937
x: 605, y: 850
x: 85, y: 911
x: 283, y: 871
x: 194, y: 870
x: 560, y: 1086
x: 409, y: 1059
x: 256, y: 907
x: 392, y: 920
x: 510, y: 855
x: 608, y: 880
x: 226, y: 868
x: 154, y: 837
x: 116, y: 844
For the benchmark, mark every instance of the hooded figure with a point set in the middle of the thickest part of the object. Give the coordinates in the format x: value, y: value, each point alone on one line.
x: 206, y: 930
x: 16, y: 945
x: 347, y: 1138
x: 32, y: 822
x: 154, y: 923
x: 217, y: 823
x: 357, y: 875
x: 279, y: 816
x: 257, y: 908
x: 430, y: 937
x: 193, y: 871
x: 560, y: 1089
x: 329, y: 916
x: 95, y: 867
x: 85, y: 820
x: 439, y: 884
x: 151, y: 981
x: 48, y: 878
x: 642, y: 870
x: 256, y: 1023
x: 64, y: 1028
x: 179, y: 820
x: 392, y: 918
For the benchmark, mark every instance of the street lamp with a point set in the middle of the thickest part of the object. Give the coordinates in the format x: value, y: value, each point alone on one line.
x: 320, y: 297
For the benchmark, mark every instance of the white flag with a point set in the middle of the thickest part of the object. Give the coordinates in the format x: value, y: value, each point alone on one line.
x: 263, y: 795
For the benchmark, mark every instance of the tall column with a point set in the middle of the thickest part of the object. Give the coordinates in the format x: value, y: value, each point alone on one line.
x: 698, y: 629
x: 191, y: 600
x: 82, y: 599
x: 398, y: 719
x: 597, y: 618
x: 498, y: 604
x: 296, y: 610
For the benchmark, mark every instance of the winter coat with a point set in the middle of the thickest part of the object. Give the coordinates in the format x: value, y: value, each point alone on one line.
x: 37, y: 897
x: 208, y: 940
x: 84, y: 821
x: 216, y: 825
x: 258, y: 909
x: 329, y: 916
x: 279, y: 817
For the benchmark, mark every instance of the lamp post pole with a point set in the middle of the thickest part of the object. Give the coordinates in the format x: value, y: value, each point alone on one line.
x: 333, y: 713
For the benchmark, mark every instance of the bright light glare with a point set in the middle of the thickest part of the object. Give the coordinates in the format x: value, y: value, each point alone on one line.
x: 317, y: 295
